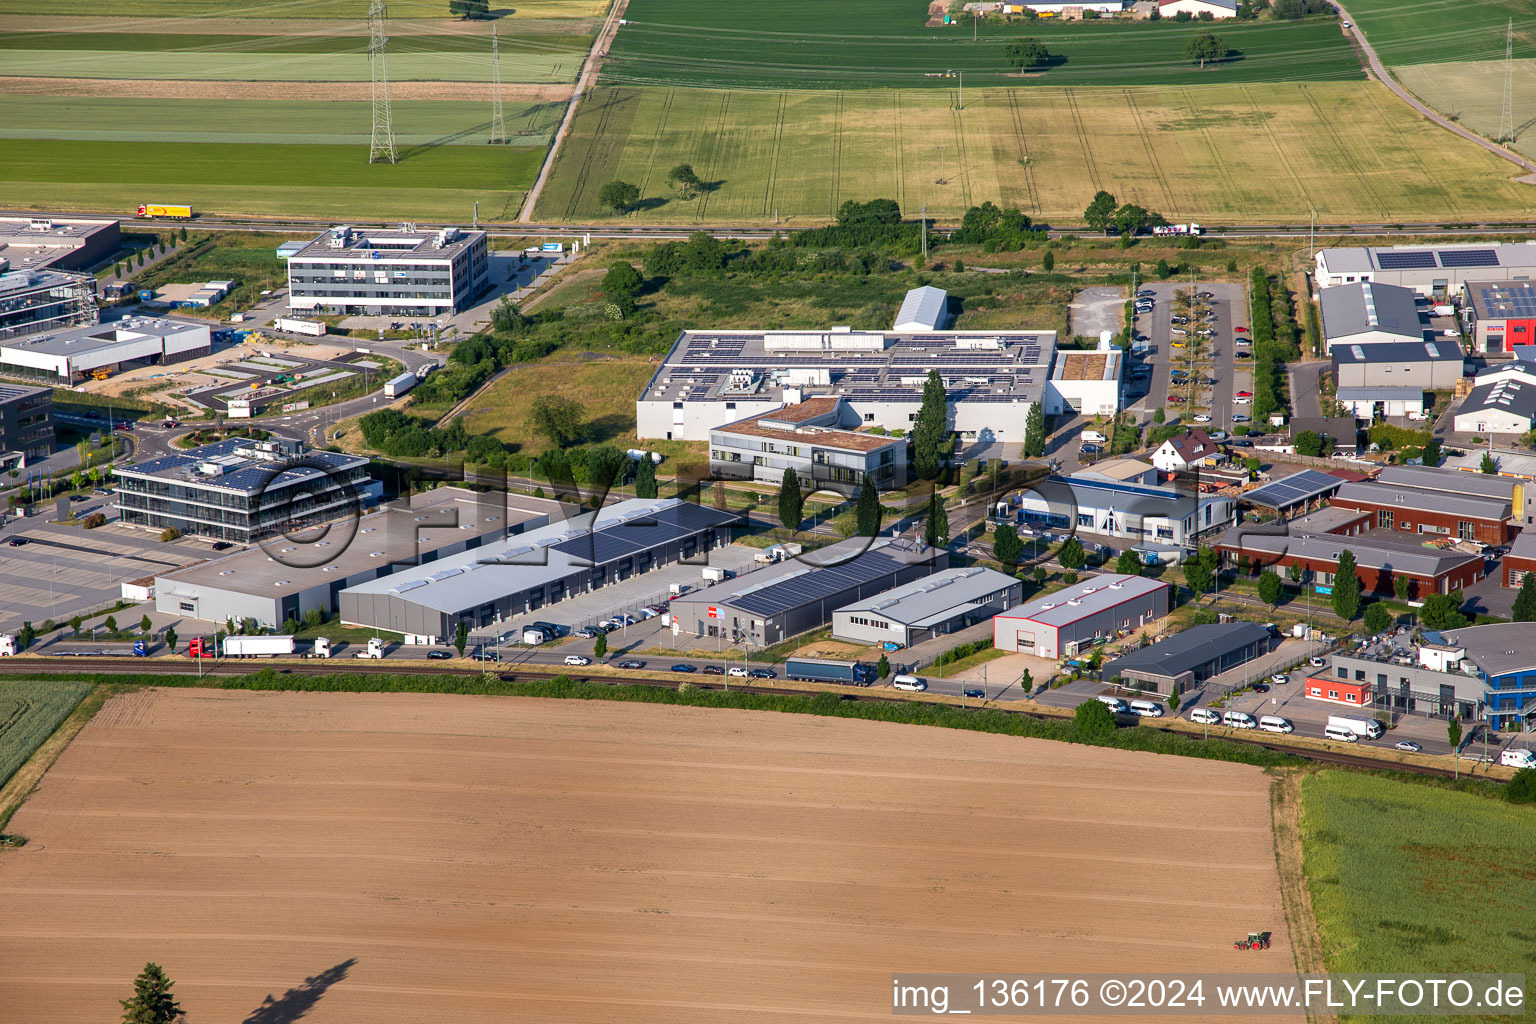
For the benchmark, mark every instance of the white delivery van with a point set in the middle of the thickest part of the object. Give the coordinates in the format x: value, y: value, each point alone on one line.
x: 1272, y: 723
x: 1094, y: 437
x: 1518, y: 757
x: 1238, y: 720
x: 1114, y: 704
x: 1343, y: 735
x: 1205, y: 716
x: 909, y: 683
x: 1147, y: 709
x: 1363, y: 728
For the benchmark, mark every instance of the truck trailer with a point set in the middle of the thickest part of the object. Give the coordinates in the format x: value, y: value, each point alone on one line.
x: 824, y: 670
x: 397, y: 386
x: 166, y: 210
x: 257, y: 646
x: 296, y: 325
x: 1365, y: 728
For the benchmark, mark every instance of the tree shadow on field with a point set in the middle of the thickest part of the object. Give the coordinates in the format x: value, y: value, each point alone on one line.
x: 299, y: 1000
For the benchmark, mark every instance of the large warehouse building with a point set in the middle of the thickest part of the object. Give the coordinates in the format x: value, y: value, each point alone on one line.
x: 1380, y: 558
x: 428, y: 527
x: 1390, y: 378
x: 240, y: 490
x: 69, y: 242
x: 72, y: 354
x: 387, y: 271
x: 1059, y: 625
x: 1432, y: 511
x: 1190, y: 657
x: 540, y: 568
x: 1501, y: 315
x: 712, y: 377
x: 1505, y: 404
x: 770, y: 605
x: 1428, y: 269
x: 945, y: 602
x: 1369, y: 314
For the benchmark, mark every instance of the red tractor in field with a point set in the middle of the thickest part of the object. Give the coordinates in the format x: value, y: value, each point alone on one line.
x: 1255, y: 940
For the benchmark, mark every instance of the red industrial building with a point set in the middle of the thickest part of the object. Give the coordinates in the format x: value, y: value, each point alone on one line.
x: 1503, y: 314
x: 1431, y: 511
x: 1520, y: 560
x: 1338, y: 691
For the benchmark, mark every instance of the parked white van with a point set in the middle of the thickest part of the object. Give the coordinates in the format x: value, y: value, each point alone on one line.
x: 1518, y: 757
x: 1238, y: 720
x: 1205, y: 716
x: 1273, y: 723
x: 1094, y: 437
x: 1343, y: 735
x: 909, y: 683
x: 1114, y: 704
x: 1147, y: 709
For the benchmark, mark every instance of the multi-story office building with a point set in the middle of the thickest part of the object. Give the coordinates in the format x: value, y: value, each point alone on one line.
x: 398, y: 272
x: 70, y: 242
x: 809, y: 439
x: 241, y: 490
x: 26, y: 420
x: 40, y: 300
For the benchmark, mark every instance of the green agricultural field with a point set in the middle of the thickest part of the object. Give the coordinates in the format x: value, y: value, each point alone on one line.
x: 1435, y: 31
x: 332, y: 122
x: 29, y: 712
x: 472, y: 41
x: 302, y: 9
x: 861, y: 44
x: 220, y: 65
x: 1215, y: 154
x: 1408, y: 879
x: 320, y: 182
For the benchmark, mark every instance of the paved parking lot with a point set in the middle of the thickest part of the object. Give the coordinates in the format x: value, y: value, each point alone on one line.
x: 1101, y: 308
x: 1214, y: 358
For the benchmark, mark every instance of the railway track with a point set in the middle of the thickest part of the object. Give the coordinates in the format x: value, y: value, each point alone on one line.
x: 531, y: 673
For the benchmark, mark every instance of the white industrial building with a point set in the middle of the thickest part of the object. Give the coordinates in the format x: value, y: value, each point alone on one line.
x: 1088, y: 383
x: 947, y: 601
x: 1060, y: 624
x: 390, y: 271
x: 1370, y: 313
x: 1428, y: 269
x: 1158, y: 515
x: 72, y: 354
x: 1507, y: 405
x: 710, y: 378
x: 924, y: 309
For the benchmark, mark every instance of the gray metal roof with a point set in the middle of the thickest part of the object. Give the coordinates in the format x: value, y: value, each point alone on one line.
x: 1453, y: 480
x: 1084, y: 598
x: 549, y: 553
x: 1380, y: 394
x: 1371, y: 550
x: 1500, y: 648
x: 925, y: 308
x: 1185, y: 651
x: 820, y: 574
x: 1351, y: 309
x: 1292, y: 490
x: 92, y: 338
x: 1511, y: 395
x: 1363, y: 259
x: 1524, y: 545
x: 1441, y: 350
x: 936, y: 596
x: 1422, y: 499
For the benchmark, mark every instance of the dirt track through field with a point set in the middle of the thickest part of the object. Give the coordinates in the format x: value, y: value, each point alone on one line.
x: 137, y: 88
x: 381, y: 857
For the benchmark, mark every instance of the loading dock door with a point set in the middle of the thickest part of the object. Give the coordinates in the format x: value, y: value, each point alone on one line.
x: 1024, y: 642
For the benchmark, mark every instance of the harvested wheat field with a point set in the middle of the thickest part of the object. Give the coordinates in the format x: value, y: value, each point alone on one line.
x: 404, y: 858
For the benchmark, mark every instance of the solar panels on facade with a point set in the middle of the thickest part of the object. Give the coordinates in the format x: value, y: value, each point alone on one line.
x: 1469, y: 257
x: 1422, y: 259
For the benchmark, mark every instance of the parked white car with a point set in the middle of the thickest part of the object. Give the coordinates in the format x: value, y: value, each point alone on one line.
x: 1202, y: 418
x: 577, y: 659
x: 737, y: 671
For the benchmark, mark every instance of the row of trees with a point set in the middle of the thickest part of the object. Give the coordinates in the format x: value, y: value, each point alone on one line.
x: 1029, y: 54
x: 1105, y: 212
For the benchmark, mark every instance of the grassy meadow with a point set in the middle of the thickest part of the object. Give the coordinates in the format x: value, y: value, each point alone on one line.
x: 1247, y: 153
x: 1436, y: 31
x: 1409, y: 879
x: 605, y: 385
x: 870, y: 44
x: 29, y: 712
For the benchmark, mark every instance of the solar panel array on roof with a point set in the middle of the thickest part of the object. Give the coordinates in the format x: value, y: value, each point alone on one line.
x: 1508, y: 301
x: 1297, y: 487
x: 1419, y: 259
x: 802, y: 588
x: 1469, y: 257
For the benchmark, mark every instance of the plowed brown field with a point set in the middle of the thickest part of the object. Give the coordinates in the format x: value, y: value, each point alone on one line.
x: 403, y: 858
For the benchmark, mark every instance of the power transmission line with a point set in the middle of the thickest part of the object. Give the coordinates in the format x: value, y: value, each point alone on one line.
x: 382, y: 145
x: 498, y: 123
x: 1507, y: 117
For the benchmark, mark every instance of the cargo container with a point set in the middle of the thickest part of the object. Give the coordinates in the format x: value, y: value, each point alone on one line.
x: 293, y: 325
x: 399, y: 385
x: 823, y: 670
x: 257, y: 646
x: 165, y: 210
